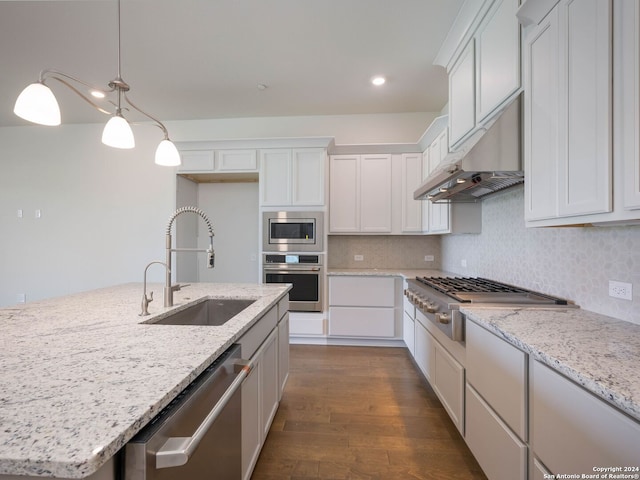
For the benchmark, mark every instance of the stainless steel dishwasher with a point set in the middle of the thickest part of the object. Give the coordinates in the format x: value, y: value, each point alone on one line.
x: 198, y: 435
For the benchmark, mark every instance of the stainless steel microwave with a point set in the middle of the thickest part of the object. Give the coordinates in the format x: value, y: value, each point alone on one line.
x: 292, y: 231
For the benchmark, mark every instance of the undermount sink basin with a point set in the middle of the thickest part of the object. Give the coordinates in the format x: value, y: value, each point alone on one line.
x: 212, y: 312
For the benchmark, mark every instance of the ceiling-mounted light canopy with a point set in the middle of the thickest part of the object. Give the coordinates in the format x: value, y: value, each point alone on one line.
x: 37, y: 104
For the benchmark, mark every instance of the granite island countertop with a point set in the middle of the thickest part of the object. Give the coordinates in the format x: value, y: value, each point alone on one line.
x: 80, y: 375
x: 598, y: 352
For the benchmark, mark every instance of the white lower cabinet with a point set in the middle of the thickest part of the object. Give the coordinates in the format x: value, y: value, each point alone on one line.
x: 500, y: 453
x: 442, y: 370
x: 266, y: 344
x: 408, y: 325
x: 364, y: 306
x: 573, y: 431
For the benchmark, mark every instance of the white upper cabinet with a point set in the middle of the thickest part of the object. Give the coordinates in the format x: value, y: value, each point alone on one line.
x: 483, y: 68
x: 292, y: 177
x: 497, y: 57
x: 218, y: 161
x: 439, y: 213
x: 629, y: 79
x: 411, y: 179
x: 581, y: 112
x: 360, y: 194
x: 462, y: 91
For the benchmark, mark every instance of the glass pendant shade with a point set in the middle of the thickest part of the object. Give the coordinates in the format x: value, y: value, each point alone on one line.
x: 37, y: 104
x: 117, y: 133
x: 167, y: 154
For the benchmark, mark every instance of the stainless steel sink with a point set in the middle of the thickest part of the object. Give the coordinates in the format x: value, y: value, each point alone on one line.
x: 212, y: 312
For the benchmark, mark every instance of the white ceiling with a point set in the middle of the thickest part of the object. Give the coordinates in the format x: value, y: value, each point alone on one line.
x: 192, y: 59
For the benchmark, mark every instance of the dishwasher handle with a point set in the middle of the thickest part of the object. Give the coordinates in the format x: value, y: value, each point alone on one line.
x: 177, y: 450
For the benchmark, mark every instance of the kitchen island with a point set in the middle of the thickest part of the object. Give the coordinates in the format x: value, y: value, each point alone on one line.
x: 82, y: 374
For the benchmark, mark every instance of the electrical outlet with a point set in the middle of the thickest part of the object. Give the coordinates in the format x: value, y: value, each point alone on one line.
x: 38, y: 213
x: 620, y: 290
x: 463, y: 263
x: 19, y: 213
x: 358, y: 258
x: 429, y: 258
x: 22, y: 298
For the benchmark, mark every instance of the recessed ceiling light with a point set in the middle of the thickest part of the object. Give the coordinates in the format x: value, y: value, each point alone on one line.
x: 262, y: 86
x: 379, y: 80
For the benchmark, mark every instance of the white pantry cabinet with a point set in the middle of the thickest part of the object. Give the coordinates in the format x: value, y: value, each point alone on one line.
x: 568, y: 114
x: 573, y: 431
x: 484, y: 72
x: 292, y: 177
x: 360, y: 194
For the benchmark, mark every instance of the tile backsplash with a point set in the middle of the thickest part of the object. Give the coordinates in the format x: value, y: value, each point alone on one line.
x: 574, y: 263
x: 383, y: 251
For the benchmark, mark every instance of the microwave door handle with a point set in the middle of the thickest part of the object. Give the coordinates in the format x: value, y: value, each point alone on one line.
x: 177, y: 450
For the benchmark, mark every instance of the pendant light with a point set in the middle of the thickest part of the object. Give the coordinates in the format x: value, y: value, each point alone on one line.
x: 38, y: 104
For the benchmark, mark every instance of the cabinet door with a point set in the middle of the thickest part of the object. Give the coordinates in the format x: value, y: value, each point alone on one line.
x: 269, y: 383
x: 251, y: 426
x: 196, y: 161
x: 308, y: 177
x: 344, y: 194
x: 283, y: 353
x: 275, y: 177
x: 448, y: 383
x: 237, y: 161
x: 408, y: 332
x: 499, y: 451
x: 462, y: 95
x: 497, y: 58
x: 438, y: 212
x: 584, y: 177
x: 375, y: 194
x: 572, y: 430
x: 424, y: 351
x: 362, y: 291
x: 629, y: 72
x: 541, y: 149
x: 497, y: 371
x: 411, y: 179
x: 425, y: 204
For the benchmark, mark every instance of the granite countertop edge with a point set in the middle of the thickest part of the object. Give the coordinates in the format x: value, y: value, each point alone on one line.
x: 48, y: 446
x: 599, y: 353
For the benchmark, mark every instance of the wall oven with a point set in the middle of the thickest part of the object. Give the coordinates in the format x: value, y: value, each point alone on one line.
x: 304, y: 272
x: 292, y: 231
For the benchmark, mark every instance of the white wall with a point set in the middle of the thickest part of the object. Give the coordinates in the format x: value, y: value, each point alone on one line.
x: 104, y: 211
x: 574, y: 263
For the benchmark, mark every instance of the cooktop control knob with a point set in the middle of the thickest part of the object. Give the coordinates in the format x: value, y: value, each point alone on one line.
x: 431, y: 307
x: 444, y: 318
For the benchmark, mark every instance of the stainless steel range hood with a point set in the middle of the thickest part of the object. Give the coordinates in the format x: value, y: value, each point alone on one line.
x: 491, y: 160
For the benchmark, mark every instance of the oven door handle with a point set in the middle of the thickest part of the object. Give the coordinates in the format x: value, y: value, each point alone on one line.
x: 270, y: 269
x: 177, y: 450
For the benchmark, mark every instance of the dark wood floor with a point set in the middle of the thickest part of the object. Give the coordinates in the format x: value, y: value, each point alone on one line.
x: 361, y: 413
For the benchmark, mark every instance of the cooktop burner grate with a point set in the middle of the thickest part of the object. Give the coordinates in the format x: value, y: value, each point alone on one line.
x: 469, y: 285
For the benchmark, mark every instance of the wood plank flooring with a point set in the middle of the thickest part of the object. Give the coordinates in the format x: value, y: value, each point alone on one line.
x: 361, y: 413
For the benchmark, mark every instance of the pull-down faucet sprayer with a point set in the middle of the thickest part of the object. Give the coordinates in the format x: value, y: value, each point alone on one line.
x: 169, y: 289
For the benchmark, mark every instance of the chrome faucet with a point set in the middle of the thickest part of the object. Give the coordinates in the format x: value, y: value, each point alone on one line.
x: 147, y: 300
x: 169, y: 289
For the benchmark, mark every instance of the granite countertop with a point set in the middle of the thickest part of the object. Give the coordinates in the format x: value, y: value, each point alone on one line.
x: 598, y: 352
x: 80, y: 375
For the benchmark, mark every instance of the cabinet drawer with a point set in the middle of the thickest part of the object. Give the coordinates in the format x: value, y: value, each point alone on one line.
x: 362, y: 322
x: 362, y: 291
x: 498, y: 450
x: 497, y: 370
x: 573, y: 430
